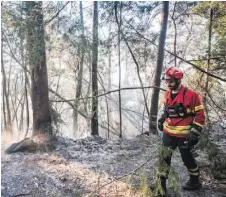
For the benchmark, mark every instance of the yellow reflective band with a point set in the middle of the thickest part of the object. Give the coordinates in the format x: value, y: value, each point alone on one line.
x: 177, y: 129
x: 199, y: 107
x: 189, y: 110
x: 198, y: 124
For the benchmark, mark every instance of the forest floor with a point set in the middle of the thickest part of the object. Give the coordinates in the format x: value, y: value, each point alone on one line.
x: 96, y: 167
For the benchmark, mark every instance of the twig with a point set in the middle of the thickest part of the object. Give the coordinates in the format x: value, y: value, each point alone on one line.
x: 56, y: 14
x: 197, y: 67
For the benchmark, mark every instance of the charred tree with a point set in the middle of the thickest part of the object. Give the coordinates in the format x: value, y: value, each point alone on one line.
x: 94, y: 121
x: 37, y: 62
x: 42, y: 130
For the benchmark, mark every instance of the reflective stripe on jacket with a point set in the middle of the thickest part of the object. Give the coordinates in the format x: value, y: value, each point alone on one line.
x: 181, y: 126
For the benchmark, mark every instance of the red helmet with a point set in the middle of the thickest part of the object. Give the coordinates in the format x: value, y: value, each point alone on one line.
x: 174, y: 72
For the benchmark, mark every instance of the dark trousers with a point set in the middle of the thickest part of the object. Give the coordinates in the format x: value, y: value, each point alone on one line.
x: 170, y: 143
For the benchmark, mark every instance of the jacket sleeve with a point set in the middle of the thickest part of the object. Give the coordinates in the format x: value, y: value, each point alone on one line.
x: 161, y: 111
x: 198, y: 109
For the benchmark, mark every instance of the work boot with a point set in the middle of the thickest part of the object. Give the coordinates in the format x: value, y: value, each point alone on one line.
x: 192, y: 184
x: 163, y: 186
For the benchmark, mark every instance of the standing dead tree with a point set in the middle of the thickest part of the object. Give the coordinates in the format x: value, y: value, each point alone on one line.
x: 94, y: 121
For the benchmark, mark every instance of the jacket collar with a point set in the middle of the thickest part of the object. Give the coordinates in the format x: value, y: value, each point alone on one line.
x: 178, y: 98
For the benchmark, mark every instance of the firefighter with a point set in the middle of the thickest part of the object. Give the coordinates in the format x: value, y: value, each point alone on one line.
x: 182, y: 122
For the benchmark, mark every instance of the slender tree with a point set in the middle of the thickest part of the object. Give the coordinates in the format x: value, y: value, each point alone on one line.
x: 109, y: 80
x: 157, y: 78
x: 175, y: 34
x: 119, y: 21
x: 3, y: 87
x: 80, y: 69
x: 208, y: 60
x: 94, y: 121
x: 6, y: 94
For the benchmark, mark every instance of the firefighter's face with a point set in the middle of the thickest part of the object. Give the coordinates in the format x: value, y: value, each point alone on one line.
x: 170, y: 82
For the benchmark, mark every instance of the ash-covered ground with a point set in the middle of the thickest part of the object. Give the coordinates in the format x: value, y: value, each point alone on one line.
x: 98, y: 167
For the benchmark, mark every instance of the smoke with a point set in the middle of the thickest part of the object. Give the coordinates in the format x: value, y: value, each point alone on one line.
x: 6, y: 138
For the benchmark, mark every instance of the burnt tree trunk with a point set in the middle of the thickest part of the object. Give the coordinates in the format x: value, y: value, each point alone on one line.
x: 94, y: 121
x: 42, y: 130
x: 37, y: 61
x: 157, y: 79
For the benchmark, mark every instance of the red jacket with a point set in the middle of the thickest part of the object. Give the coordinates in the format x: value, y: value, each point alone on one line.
x: 181, y: 126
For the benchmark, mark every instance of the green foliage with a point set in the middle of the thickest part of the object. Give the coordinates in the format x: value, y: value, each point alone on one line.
x: 164, y: 170
x: 164, y: 152
x: 144, y: 187
x: 215, y: 101
x: 217, y: 158
x: 158, y: 188
x: 173, y: 180
x: 219, y: 14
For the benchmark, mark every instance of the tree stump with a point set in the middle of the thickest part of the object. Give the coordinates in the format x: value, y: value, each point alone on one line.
x: 39, y: 142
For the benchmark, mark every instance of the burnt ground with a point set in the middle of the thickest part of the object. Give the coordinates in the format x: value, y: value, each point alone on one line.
x: 99, y: 167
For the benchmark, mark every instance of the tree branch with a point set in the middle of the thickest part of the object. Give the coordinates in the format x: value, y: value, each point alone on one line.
x: 195, y: 66
x: 56, y: 14
x: 73, y: 107
x: 128, y: 88
x: 68, y: 102
x: 11, y: 54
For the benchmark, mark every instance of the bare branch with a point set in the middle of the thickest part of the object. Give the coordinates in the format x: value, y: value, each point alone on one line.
x: 12, y: 54
x: 195, y: 66
x: 68, y: 102
x: 128, y: 88
x: 56, y: 14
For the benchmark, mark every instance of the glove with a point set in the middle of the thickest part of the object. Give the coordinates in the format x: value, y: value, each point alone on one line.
x: 194, y: 135
x: 160, y: 123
